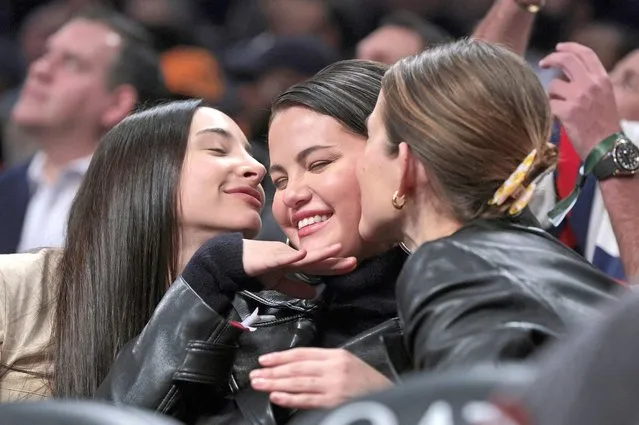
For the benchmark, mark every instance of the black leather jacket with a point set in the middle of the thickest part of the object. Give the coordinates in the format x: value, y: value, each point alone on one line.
x: 494, y: 291
x: 192, y: 363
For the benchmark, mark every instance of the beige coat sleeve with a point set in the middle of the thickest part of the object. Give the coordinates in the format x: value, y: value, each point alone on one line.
x: 26, y: 317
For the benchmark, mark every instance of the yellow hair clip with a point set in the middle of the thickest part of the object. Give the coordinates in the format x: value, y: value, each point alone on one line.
x: 522, y: 200
x: 515, y: 180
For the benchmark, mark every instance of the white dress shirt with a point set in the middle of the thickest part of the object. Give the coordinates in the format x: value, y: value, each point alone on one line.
x: 48, y: 211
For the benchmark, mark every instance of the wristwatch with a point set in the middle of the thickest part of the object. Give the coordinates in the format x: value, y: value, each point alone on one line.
x: 622, y: 160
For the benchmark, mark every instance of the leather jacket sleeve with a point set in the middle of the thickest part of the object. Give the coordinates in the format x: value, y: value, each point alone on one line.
x: 186, y: 350
x: 185, y: 342
x: 457, y: 309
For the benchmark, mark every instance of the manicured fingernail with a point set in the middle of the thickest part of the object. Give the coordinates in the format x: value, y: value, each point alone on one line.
x: 258, y: 383
x: 265, y: 358
x: 255, y: 374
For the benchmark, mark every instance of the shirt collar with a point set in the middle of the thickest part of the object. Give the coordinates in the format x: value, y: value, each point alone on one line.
x: 35, y: 172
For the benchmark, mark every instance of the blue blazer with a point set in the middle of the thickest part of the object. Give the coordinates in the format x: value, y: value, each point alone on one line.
x: 14, y: 199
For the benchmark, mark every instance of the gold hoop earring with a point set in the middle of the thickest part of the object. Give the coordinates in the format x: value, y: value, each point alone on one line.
x: 398, y: 201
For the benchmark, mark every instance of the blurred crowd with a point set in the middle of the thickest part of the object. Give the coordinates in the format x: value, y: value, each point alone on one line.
x: 496, y: 192
x: 239, y: 54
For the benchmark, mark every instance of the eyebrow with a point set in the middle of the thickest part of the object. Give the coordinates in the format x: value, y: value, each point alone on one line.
x: 225, y: 134
x: 300, y: 157
x: 215, y: 130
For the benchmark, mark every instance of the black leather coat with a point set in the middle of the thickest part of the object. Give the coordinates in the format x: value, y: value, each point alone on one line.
x: 191, y: 363
x: 495, y: 291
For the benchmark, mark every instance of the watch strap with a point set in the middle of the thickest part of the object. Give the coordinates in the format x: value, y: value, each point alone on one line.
x: 599, y: 152
x: 605, y: 168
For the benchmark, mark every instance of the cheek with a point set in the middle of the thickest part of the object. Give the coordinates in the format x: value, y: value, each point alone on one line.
x: 365, y: 173
x: 376, y: 184
x: 199, y: 186
x: 341, y: 190
x: 279, y: 210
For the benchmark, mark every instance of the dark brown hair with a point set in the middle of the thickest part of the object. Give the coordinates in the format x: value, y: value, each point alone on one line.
x: 122, y: 245
x: 346, y: 91
x: 471, y: 112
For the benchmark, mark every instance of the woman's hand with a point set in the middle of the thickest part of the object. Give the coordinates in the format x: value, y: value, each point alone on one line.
x: 271, y: 262
x: 311, y: 378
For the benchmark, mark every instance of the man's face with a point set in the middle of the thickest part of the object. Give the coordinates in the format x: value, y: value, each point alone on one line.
x: 389, y: 44
x: 67, y: 87
x: 625, y: 80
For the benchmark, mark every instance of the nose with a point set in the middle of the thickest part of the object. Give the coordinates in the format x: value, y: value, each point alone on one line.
x: 40, y: 68
x: 252, y: 170
x: 296, y: 194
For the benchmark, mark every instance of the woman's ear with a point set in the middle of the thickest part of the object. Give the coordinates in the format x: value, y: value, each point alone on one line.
x: 406, y: 163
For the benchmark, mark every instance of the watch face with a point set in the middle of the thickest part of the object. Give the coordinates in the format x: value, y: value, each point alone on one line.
x: 626, y: 156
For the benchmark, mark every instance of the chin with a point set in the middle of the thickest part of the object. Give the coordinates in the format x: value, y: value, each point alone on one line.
x: 250, y: 227
x: 349, y: 248
x: 251, y: 231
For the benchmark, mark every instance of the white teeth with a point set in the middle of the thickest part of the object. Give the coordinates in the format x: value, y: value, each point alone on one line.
x: 310, y: 220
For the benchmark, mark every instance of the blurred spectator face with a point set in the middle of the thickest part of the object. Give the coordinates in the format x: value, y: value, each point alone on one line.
x: 389, y: 44
x: 625, y: 79
x: 67, y: 88
x: 300, y: 17
x: 604, y: 39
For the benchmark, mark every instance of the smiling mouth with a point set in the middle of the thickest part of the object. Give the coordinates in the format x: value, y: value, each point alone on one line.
x: 312, y: 220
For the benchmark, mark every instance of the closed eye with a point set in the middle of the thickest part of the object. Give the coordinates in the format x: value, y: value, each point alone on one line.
x: 280, y: 183
x: 217, y: 151
x: 318, y: 166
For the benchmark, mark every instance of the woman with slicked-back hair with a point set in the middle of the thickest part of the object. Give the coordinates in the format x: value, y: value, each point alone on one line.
x: 457, y: 141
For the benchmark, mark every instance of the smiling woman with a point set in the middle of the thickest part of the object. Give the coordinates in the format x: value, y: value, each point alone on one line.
x: 313, y: 162
x: 303, y: 353
x: 161, y: 183
x: 220, y: 179
x: 317, y: 133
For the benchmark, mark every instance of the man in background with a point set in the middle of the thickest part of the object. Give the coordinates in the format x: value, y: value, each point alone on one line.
x: 94, y: 72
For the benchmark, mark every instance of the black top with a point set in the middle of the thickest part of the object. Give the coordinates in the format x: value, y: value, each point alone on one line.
x: 355, y: 302
x: 361, y: 299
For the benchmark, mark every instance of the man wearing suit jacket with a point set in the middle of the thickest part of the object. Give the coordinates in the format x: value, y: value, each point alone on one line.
x: 96, y: 69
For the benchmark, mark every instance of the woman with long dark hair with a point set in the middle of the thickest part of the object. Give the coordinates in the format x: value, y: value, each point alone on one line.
x: 160, y: 184
x: 207, y: 365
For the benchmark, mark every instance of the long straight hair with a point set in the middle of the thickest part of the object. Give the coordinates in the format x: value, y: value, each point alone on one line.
x: 122, y: 245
